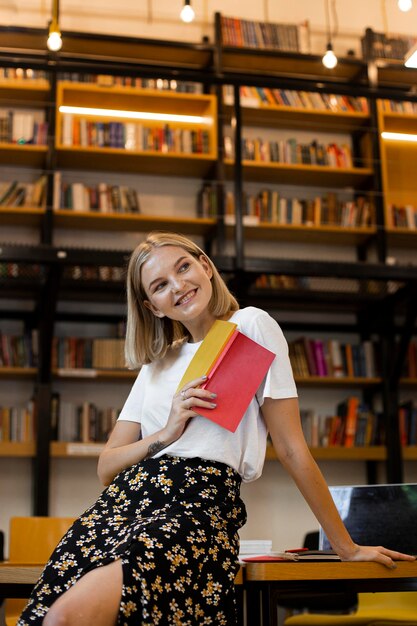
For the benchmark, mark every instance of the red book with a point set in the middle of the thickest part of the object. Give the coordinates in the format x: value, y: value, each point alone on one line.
x: 235, y: 378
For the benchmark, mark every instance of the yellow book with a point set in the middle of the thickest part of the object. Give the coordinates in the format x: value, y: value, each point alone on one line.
x: 209, y: 351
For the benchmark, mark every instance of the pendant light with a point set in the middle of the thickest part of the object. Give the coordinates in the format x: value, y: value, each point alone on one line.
x: 405, y: 5
x: 329, y: 59
x: 54, y: 41
x: 187, y: 12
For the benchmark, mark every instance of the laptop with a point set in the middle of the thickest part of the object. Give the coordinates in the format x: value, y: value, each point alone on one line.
x: 378, y: 515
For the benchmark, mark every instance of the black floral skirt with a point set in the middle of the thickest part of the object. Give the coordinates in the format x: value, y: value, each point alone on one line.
x: 173, y: 523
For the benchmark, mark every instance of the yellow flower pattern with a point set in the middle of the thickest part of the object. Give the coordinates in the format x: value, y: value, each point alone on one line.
x: 173, y: 523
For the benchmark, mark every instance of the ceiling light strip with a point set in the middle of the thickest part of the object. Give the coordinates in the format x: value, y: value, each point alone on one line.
x: 399, y: 136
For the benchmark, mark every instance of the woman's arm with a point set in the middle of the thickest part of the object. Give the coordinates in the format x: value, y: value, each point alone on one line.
x: 282, y: 418
x: 125, y: 448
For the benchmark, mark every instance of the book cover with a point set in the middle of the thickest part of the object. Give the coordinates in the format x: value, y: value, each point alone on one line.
x: 209, y: 351
x: 235, y: 378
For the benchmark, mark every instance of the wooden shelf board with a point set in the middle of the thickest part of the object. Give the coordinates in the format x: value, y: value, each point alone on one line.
x: 258, y: 61
x: 293, y: 117
x: 21, y: 216
x: 408, y: 382
x: 307, y: 234
x: 403, y: 237
x: 399, y: 122
x: 25, y: 91
x: 291, y: 174
x: 112, y: 159
x: 340, y: 453
x: 410, y: 453
x: 16, y: 449
x: 69, y: 218
x: 63, y: 449
x: 329, y: 381
x: 17, y: 372
x: 25, y: 155
x: 94, y: 374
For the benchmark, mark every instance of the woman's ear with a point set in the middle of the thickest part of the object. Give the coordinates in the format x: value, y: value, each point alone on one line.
x: 206, y: 265
x: 153, y: 309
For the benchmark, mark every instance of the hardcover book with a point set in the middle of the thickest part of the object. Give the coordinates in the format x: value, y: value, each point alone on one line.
x: 235, y: 366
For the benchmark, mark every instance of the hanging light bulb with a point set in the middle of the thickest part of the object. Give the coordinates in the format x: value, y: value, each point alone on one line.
x: 54, y: 42
x: 329, y: 60
x: 187, y: 12
x: 405, y: 5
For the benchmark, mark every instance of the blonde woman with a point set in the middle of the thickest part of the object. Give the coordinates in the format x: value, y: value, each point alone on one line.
x: 160, y: 545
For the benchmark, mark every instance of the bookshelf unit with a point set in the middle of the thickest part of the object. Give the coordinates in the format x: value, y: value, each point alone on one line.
x: 212, y: 65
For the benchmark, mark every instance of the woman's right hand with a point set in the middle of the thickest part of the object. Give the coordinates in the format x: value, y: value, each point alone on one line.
x: 191, y: 395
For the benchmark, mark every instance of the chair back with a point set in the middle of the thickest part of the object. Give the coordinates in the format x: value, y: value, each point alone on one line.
x: 31, y: 542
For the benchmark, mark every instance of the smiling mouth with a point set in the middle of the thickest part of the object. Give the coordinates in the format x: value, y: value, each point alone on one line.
x: 188, y: 296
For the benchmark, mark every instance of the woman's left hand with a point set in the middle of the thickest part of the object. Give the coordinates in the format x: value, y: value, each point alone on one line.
x: 379, y: 554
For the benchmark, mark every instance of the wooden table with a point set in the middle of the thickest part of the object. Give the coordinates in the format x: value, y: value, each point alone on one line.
x: 266, y: 581
x: 17, y: 581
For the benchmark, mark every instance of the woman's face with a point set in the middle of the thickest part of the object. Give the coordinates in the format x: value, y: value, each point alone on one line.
x: 177, y: 284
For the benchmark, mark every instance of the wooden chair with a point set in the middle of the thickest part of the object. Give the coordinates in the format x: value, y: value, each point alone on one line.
x: 374, y: 609
x: 31, y: 542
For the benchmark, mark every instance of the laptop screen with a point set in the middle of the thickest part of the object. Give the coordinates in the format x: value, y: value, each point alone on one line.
x: 378, y: 515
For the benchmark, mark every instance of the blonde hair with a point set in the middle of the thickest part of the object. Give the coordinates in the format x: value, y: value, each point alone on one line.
x: 149, y: 337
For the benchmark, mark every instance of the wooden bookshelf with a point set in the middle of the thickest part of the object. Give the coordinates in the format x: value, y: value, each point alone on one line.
x: 15, y: 90
x: 340, y: 453
x: 311, y: 175
x: 398, y: 170
x: 17, y: 372
x: 296, y: 233
x: 95, y: 374
x: 24, y: 155
x: 281, y: 116
x: 158, y: 162
x: 21, y: 216
x: 410, y: 453
x: 16, y: 449
x: 85, y: 220
x: 75, y: 450
x: 345, y: 381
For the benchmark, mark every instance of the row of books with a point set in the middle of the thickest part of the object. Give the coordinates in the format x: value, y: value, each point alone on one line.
x: 101, y: 273
x: 269, y: 207
x: 392, y: 106
x: 82, y: 132
x: 254, y: 96
x: 101, y: 198
x: 20, y: 127
x: 17, y: 424
x: 317, y: 357
x: 15, y: 194
x: 21, y: 73
x: 383, y: 46
x: 157, y: 84
x: 352, y: 425
x: 254, y: 34
x: 403, y: 216
x: 407, y: 423
x: 21, y: 270
x: 87, y: 353
x: 19, y: 350
x: 292, y: 152
x: 85, y: 423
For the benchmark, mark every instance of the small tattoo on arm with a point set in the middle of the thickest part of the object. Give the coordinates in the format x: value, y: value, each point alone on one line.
x: 154, y: 448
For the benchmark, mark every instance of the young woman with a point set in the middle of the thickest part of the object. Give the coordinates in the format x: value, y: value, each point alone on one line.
x: 160, y: 545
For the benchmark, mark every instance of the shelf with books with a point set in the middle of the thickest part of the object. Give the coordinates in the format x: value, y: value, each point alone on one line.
x: 16, y: 449
x: 14, y: 373
x: 21, y: 216
x: 65, y: 449
x: 149, y: 132
x: 341, y: 235
x: 70, y: 218
x: 341, y: 453
x: 96, y: 375
x: 398, y: 158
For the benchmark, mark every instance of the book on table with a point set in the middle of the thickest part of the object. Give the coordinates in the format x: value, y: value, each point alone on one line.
x: 235, y: 366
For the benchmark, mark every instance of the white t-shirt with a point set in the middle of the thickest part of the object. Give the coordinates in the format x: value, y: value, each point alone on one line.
x: 150, y: 399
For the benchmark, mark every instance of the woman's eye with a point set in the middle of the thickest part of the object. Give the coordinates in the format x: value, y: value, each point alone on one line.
x: 184, y: 267
x: 160, y: 286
